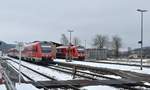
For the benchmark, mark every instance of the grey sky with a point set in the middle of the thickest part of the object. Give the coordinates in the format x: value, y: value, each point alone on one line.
x: 29, y: 20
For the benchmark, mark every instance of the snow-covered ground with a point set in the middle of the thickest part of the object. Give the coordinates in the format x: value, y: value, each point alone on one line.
x: 3, y: 87
x: 21, y: 87
x: 25, y: 87
x: 31, y: 87
x: 112, y: 66
x: 126, y: 61
x: 99, y: 87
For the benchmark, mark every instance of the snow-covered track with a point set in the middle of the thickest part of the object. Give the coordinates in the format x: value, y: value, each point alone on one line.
x: 117, y: 63
x: 105, y: 79
x: 76, y: 72
x: 51, y: 78
x: 104, y: 69
x: 37, y: 83
x: 128, y: 75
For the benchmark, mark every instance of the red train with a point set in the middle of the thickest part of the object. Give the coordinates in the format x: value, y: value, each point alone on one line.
x: 81, y: 52
x: 74, y: 52
x: 35, y: 52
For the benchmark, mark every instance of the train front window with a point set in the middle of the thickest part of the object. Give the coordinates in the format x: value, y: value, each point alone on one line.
x: 46, y: 49
x: 81, y: 50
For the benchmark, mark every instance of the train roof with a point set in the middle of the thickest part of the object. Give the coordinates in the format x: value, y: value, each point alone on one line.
x: 31, y: 44
x: 50, y: 42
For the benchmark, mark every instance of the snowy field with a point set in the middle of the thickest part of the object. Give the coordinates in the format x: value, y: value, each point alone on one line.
x: 112, y: 66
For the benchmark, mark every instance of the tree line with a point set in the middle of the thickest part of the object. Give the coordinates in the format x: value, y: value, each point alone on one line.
x: 64, y: 40
x: 99, y: 41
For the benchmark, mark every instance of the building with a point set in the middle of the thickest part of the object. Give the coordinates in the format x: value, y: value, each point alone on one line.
x: 93, y: 53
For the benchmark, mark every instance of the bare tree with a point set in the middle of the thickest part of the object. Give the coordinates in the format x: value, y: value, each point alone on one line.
x: 100, y: 41
x: 64, y: 40
x: 116, y: 44
x: 76, y: 41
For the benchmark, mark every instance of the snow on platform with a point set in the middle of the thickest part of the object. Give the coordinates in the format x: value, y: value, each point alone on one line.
x: 111, y: 66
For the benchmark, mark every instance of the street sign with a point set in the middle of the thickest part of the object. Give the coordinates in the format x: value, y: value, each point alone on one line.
x: 20, y: 46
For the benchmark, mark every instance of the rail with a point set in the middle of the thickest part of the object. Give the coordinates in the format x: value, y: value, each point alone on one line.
x: 34, y: 82
x: 131, y: 77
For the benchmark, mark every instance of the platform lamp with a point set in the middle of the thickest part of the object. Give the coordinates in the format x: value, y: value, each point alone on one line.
x: 141, y: 41
x: 70, y: 31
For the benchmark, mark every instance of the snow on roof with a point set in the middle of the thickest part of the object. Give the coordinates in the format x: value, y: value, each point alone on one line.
x: 30, y: 44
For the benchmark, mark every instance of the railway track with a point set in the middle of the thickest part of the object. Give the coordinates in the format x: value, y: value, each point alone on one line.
x: 75, y: 70
x: 147, y: 66
x: 94, y: 76
x: 35, y: 82
x: 124, y: 74
x: 23, y: 81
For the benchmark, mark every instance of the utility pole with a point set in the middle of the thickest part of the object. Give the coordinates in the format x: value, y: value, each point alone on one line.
x: 141, y: 41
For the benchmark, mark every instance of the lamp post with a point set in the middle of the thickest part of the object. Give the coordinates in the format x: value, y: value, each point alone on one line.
x: 141, y: 41
x: 70, y: 31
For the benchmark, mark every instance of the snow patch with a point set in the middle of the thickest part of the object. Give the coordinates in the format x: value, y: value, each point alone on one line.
x: 113, y: 76
x: 99, y: 87
x: 2, y: 87
x: 26, y: 87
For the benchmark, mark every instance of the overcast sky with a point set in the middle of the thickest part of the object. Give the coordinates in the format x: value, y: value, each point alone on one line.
x: 29, y: 20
